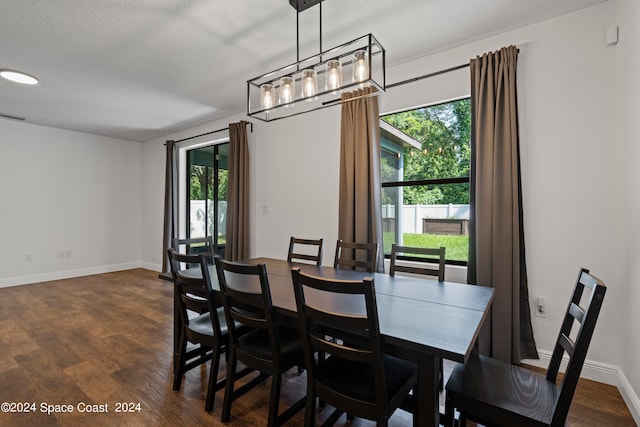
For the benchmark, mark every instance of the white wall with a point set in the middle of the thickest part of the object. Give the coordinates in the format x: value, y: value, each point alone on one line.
x: 628, y: 136
x: 62, y: 191
x: 298, y: 169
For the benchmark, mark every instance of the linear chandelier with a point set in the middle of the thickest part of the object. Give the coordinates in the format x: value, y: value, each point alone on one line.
x: 319, y: 80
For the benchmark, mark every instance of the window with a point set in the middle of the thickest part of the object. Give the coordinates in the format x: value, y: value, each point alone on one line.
x: 425, y: 168
x: 206, y: 215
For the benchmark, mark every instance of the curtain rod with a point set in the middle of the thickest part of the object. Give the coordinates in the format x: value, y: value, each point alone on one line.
x: 426, y: 76
x: 212, y: 132
x: 411, y: 80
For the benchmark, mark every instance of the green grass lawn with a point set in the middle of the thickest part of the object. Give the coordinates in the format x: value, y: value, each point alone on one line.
x: 457, y: 246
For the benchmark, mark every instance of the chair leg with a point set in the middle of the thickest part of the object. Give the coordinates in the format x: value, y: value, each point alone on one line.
x: 213, y: 379
x: 274, y: 401
x: 333, y: 418
x: 228, y: 391
x: 310, y: 409
x: 449, y: 418
x: 178, y: 366
x: 321, y: 358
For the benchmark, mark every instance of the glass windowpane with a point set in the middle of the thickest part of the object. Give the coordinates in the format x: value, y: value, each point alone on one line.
x: 429, y: 143
x: 207, y: 193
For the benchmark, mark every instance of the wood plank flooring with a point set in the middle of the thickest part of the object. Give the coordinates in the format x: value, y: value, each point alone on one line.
x: 104, y: 342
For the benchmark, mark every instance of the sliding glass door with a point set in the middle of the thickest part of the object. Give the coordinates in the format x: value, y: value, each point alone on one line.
x: 207, y: 193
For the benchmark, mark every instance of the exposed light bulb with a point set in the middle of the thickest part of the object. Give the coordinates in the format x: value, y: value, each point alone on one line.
x: 267, y: 96
x: 333, y: 75
x: 360, y: 67
x: 287, y: 90
x: 309, y: 83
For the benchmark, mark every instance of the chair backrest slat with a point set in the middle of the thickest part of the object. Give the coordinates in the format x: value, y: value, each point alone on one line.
x: 577, y: 312
x: 407, y: 259
x: 567, y: 344
x: 195, y: 246
x: 320, y: 343
x: 355, y: 255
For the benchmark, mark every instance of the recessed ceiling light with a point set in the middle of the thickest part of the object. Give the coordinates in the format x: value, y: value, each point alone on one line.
x: 18, y: 77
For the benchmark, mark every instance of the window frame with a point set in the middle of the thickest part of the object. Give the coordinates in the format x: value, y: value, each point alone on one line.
x: 185, y: 185
x: 427, y: 182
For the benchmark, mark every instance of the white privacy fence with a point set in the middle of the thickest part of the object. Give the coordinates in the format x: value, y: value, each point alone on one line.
x: 413, y: 215
x: 197, y: 210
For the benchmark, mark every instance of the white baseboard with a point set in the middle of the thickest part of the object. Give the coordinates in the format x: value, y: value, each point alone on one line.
x: 591, y: 370
x: 151, y: 266
x: 629, y: 396
x: 600, y: 372
x: 67, y: 274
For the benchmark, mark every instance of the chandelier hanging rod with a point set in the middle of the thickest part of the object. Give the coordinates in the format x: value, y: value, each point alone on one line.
x: 298, y: 10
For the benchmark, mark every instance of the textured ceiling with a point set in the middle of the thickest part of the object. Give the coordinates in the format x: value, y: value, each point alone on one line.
x: 141, y: 69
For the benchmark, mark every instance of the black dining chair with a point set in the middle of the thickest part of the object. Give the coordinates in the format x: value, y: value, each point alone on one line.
x: 356, y: 256
x: 415, y: 260
x: 207, y: 329
x: 195, y: 246
x: 270, y: 347
x: 340, y: 319
x: 495, y: 393
x: 305, y: 250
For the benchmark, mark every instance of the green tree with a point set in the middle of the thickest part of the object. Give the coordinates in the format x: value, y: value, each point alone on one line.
x: 444, y: 133
x: 223, y: 183
x: 199, y: 177
x: 198, y: 182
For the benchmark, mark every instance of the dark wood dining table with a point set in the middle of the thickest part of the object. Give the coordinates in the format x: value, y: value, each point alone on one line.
x: 421, y: 320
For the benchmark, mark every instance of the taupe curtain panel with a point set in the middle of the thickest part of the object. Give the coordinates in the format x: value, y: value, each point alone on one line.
x: 170, y: 228
x: 360, y: 204
x: 238, y: 193
x: 496, y: 244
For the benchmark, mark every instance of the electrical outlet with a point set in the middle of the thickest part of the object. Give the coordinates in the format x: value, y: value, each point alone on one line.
x: 27, y: 257
x: 68, y: 254
x: 541, y: 309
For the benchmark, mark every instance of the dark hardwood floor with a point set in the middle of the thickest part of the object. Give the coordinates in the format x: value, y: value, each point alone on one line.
x: 104, y: 342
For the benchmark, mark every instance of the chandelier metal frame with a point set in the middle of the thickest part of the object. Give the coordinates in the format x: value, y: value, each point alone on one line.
x: 319, y: 80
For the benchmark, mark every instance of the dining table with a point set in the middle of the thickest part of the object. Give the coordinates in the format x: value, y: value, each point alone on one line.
x: 421, y: 320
